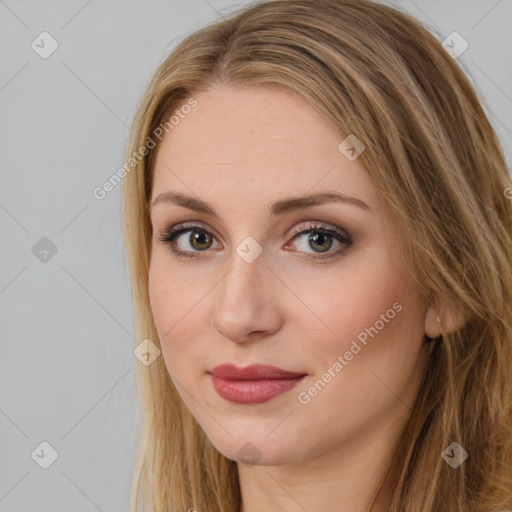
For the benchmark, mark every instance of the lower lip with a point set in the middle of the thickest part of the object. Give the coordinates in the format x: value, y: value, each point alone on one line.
x: 253, y: 391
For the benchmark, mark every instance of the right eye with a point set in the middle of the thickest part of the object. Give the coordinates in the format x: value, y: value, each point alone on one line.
x: 199, y: 240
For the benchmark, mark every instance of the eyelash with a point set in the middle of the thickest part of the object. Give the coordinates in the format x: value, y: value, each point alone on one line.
x: 168, y: 236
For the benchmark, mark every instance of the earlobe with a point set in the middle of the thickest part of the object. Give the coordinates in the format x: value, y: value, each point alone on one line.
x: 443, y: 318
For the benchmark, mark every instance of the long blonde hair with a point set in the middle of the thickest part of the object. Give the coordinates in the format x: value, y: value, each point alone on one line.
x: 431, y: 151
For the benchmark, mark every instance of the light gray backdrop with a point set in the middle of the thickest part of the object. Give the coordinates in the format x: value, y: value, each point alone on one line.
x: 66, y: 361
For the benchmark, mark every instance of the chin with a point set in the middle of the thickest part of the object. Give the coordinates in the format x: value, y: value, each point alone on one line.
x: 256, y: 449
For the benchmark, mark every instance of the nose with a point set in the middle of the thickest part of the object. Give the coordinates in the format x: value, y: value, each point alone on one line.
x: 247, y: 305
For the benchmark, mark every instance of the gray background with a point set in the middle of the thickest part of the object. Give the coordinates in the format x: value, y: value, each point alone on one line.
x: 66, y: 328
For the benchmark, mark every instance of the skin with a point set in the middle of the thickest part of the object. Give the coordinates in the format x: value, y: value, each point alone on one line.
x: 240, y: 150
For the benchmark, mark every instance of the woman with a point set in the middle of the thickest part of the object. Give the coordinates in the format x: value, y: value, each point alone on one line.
x: 319, y: 228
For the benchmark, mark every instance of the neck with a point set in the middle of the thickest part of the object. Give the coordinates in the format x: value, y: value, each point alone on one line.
x: 353, y: 477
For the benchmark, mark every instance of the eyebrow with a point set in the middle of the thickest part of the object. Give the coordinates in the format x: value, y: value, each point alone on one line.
x: 278, y: 208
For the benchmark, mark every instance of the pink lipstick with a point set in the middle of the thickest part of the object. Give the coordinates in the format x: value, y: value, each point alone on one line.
x: 253, y: 384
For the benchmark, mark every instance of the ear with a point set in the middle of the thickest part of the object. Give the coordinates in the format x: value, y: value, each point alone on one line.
x: 443, y: 317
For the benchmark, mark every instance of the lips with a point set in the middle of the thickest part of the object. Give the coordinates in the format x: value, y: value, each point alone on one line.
x: 254, y: 384
x: 253, y: 372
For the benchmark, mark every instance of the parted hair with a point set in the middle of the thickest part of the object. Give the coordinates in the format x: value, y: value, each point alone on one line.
x: 430, y: 149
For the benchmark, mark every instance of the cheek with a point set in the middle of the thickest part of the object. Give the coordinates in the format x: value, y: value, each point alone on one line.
x: 170, y: 297
x: 368, y: 312
x: 168, y: 301
x: 379, y: 354
x: 343, y: 303
x: 162, y: 301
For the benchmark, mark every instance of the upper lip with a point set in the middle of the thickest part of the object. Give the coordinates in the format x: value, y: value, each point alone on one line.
x: 253, y: 372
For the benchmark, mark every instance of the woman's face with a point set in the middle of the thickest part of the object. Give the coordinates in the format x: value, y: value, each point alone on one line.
x: 257, y: 284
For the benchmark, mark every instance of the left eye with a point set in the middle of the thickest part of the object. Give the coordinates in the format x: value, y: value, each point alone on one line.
x: 322, y: 237
x: 199, y: 240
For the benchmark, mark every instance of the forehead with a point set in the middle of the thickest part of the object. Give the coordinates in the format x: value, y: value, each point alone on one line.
x: 256, y: 142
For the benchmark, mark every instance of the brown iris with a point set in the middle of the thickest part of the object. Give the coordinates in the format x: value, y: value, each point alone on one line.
x: 314, y: 238
x: 203, y: 240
